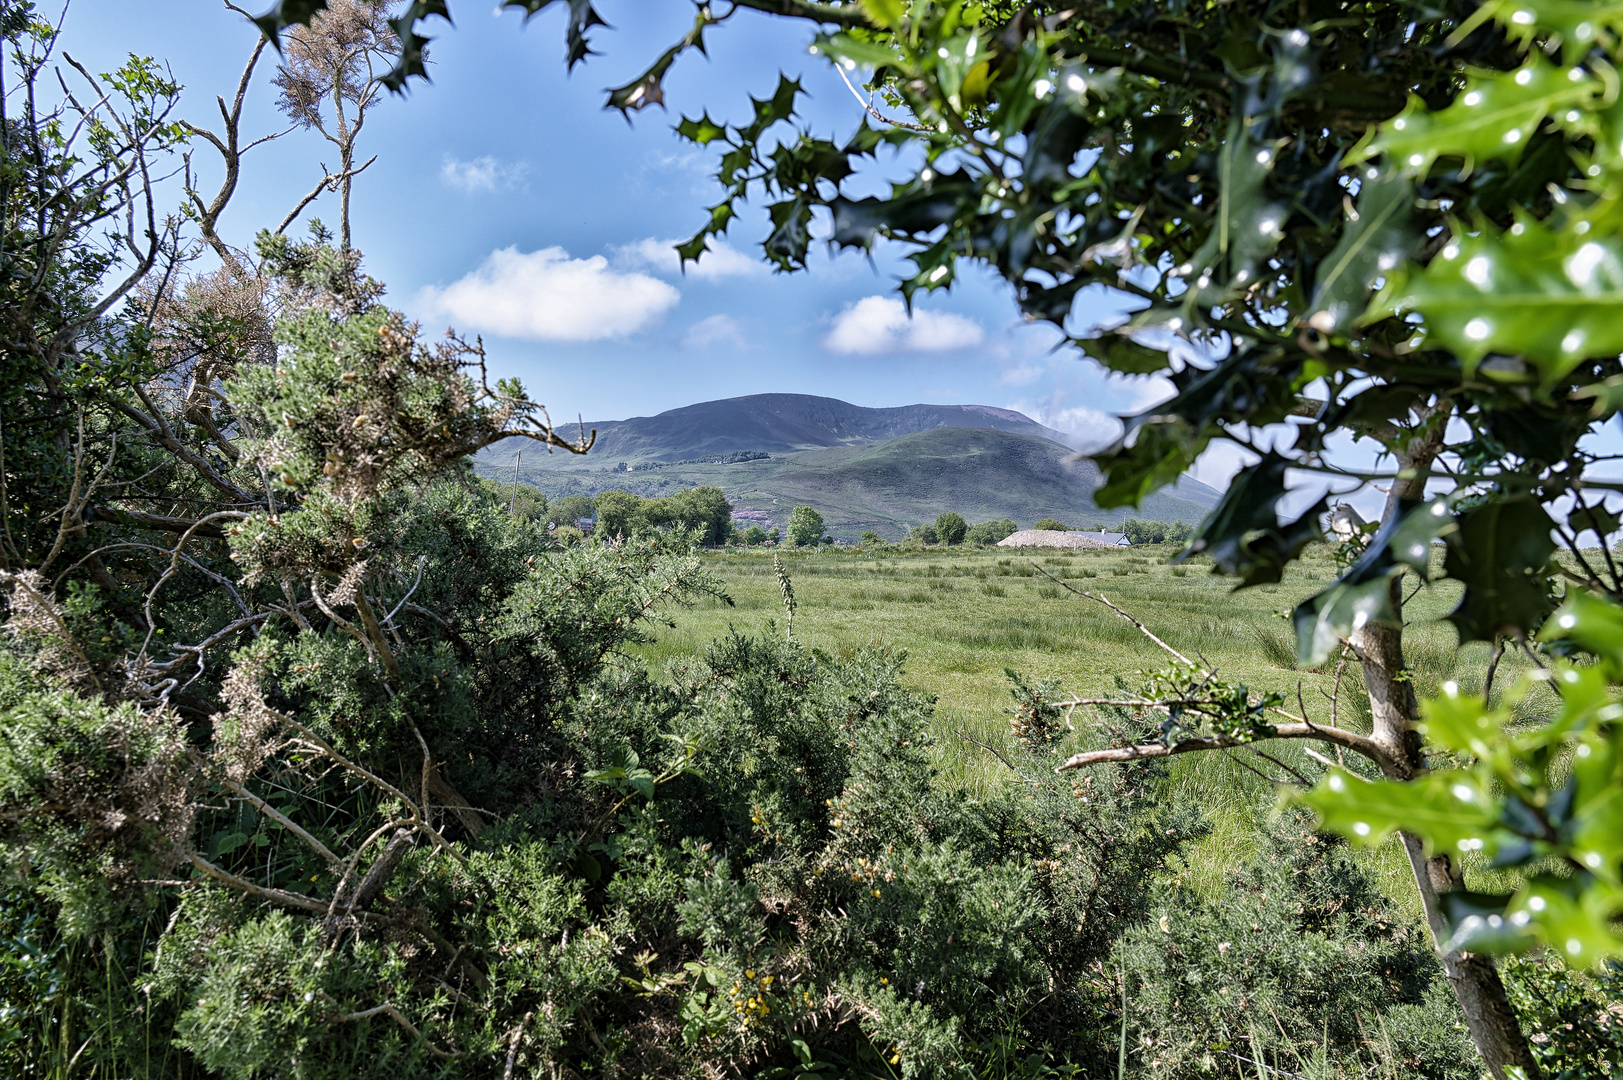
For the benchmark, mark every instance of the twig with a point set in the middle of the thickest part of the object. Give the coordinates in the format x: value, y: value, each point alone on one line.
x: 1493, y: 666
x: 388, y: 1009
x: 512, y: 1045
x: 868, y: 106
x: 1100, y: 598
x: 275, y: 896
x: 989, y: 750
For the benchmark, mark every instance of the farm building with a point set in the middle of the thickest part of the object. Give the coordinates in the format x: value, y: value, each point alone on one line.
x: 1053, y: 538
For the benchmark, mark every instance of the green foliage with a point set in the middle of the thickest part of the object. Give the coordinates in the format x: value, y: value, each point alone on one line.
x: 805, y: 526
x: 950, y: 527
x: 1575, y: 1020
x: 870, y: 538
x: 570, y: 509
x: 990, y: 532
x: 1157, y: 532
x: 704, y: 509
x: 1211, y: 990
x: 1037, y: 721
x: 92, y: 799
x: 1053, y: 524
x: 753, y: 535
x: 924, y: 534
x: 1546, y: 798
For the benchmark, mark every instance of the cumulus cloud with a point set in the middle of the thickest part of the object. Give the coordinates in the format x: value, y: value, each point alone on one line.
x: 715, y: 330
x: 720, y: 259
x: 880, y: 324
x: 547, y: 296
x: 483, y: 174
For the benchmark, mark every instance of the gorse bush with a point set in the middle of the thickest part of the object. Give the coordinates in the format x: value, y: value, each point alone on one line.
x: 1301, y: 967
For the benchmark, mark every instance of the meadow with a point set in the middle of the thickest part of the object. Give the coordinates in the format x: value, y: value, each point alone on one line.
x: 964, y: 615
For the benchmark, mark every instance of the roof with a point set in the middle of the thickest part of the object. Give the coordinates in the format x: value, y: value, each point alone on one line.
x: 1057, y: 539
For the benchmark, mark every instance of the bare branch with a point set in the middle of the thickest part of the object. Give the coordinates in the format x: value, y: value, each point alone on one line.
x: 1100, y: 598
x: 1353, y: 741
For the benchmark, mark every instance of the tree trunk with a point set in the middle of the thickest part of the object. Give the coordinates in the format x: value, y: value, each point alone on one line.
x: 1393, y: 711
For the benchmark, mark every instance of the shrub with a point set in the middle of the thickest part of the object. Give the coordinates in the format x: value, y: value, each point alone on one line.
x: 925, y: 534
x: 1051, y: 524
x: 870, y: 538
x: 1358, y: 982
x: 950, y: 527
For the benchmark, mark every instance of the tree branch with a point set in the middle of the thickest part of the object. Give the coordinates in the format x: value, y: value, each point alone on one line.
x: 1351, y: 740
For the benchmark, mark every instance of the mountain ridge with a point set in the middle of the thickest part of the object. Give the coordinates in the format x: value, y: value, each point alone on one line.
x: 784, y: 423
x: 885, y: 469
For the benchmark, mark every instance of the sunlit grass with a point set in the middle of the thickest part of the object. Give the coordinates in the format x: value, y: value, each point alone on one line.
x: 963, y: 616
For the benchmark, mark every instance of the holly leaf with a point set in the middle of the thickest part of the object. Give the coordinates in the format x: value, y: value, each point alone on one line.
x: 1449, y: 815
x: 1243, y: 534
x: 702, y: 131
x: 1248, y: 227
x: 1363, y: 593
x: 1324, y: 621
x: 1496, y: 553
x: 1549, y: 293
x: 1494, y: 116
x: 1587, y: 623
x: 1376, y: 240
x: 1480, y: 924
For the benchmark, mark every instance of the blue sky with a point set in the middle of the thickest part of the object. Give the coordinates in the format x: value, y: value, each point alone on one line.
x: 507, y: 201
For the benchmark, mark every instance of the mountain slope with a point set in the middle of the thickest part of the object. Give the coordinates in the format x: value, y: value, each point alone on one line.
x: 889, y: 486
x: 777, y: 424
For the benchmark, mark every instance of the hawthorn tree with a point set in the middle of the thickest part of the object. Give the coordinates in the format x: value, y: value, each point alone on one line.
x: 1392, y: 221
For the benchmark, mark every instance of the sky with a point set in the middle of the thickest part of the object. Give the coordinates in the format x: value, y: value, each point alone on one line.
x: 507, y: 201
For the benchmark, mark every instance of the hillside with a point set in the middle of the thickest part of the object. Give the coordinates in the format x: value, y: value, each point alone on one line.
x: 886, y: 486
x: 776, y: 424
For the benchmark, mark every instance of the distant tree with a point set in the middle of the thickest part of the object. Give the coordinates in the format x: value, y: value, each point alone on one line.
x: 1052, y: 523
x: 925, y: 534
x: 805, y: 526
x: 990, y: 532
x: 1144, y: 532
x: 753, y: 535
x: 871, y: 537
x: 774, y: 535
x: 705, y: 509
x: 951, y: 527
x: 570, y: 509
x: 619, y: 513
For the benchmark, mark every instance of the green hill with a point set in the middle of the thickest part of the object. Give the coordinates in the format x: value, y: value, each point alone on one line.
x: 886, y: 486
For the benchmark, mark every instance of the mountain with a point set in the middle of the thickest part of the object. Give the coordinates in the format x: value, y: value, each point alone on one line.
x: 880, y: 469
x: 779, y: 424
x: 979, y: 472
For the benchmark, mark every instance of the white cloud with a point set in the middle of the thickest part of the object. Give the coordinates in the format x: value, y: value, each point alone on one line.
x: 879, y: 324
x: 1022, y: 374
x: 715, y: 330
x: 719, y: 260
x: 547, y: 296
x: 483, y: 174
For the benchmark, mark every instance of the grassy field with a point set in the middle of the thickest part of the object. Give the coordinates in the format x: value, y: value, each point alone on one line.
x: 963, y: 616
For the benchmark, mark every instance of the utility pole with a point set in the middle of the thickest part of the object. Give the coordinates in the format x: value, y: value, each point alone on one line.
x: 513, y: 500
